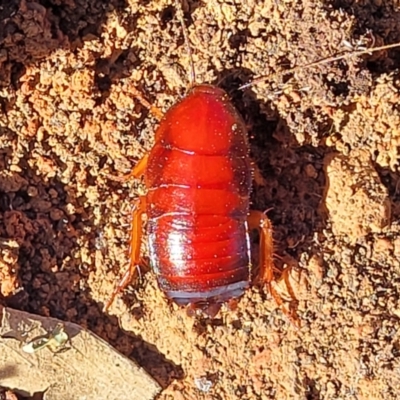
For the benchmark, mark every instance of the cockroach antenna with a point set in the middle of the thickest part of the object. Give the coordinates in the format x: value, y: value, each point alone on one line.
x: 319, y: 62
x: 192, y: 72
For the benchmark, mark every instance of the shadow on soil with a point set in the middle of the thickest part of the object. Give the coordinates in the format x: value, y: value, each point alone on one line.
x: 48, y: 265
x: 30, y: 31
x: 289, y: 179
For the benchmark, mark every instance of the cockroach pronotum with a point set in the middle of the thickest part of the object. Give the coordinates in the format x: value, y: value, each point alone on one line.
x: 198, y: 176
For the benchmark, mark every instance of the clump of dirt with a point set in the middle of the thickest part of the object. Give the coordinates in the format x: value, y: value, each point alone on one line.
x: 69, y: 122
x: 9, y: 267
x: 356, y: 200
x: 30, y: 33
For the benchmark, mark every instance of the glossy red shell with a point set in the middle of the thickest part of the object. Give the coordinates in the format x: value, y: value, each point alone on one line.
x: 199, y: 180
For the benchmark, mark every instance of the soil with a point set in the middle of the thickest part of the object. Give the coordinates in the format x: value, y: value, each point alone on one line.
x: 325, y: 140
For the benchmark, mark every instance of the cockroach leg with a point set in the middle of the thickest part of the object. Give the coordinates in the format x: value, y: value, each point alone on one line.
x: 285, y: 276
x: 153, y: 109
x: 139, y: 208
x: 258, y: 220
x: 136, y: 172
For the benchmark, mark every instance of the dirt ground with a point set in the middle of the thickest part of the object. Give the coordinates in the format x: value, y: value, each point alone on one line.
x: 326, y: 141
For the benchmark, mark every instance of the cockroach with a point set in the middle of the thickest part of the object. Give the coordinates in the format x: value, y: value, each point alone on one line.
x: 198, y: 177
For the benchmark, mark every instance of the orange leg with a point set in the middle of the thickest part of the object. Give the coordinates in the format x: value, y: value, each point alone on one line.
x: 258, y: 220
x: 139, y: 208
x: 137, y: 171
x: 140, y: 167
x: 154, y: 110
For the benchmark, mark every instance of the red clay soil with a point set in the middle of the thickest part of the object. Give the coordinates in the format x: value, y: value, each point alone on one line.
x: 325, y: 140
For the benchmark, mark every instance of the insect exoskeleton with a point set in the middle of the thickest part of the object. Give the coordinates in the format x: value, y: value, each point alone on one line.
x: 198, y: 177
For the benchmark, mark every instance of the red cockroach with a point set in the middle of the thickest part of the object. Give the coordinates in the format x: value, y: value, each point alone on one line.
x: 199, y: 176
